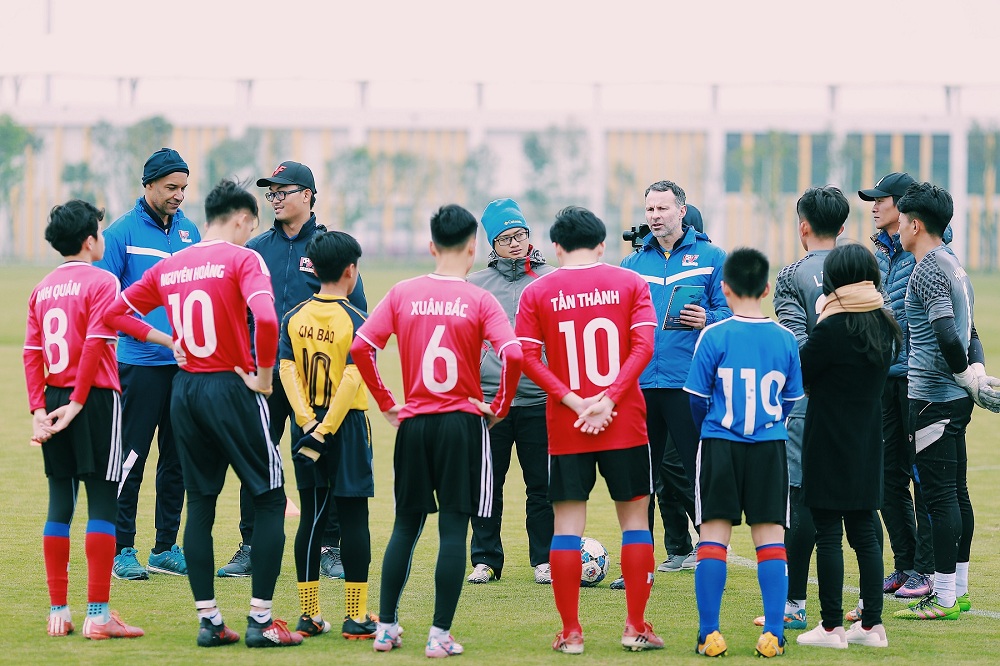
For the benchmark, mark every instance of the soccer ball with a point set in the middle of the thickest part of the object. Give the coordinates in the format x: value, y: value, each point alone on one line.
x: 595, y: 562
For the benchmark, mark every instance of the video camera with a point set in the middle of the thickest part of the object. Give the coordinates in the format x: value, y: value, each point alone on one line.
x: 692, y: 218
x: 635, y: 235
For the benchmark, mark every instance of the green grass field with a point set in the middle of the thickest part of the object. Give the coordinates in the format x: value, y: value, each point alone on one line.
x: 511, y: 621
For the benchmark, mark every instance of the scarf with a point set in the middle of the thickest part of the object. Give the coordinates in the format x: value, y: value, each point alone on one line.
x: 857, y: 297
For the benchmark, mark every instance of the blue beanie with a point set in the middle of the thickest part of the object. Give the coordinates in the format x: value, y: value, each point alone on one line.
x: 501, y: 215
x: 162, y: 163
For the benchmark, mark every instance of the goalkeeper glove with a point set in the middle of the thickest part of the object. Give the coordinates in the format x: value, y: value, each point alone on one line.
x: 982, y: 388
x: 308, y: 449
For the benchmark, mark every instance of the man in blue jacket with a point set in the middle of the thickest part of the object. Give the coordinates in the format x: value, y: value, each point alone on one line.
x: 674, y: 254
x: 292, y: 194
x: 154, y: 229
x: 909, y: 530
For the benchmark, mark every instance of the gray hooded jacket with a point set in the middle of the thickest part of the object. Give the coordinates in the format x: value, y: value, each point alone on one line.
x: 506, y: 279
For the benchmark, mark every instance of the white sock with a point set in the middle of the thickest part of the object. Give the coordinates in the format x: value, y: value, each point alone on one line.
x: 861, y: 603
x: 961, y: 578
x: 944, y: 588
x: 209, y: 608
x: 391, y: 627
x: 438, y: 633
x: 794, y: 605
x: 61, y: 611
x: 213, y: 615
x: 261, y: 616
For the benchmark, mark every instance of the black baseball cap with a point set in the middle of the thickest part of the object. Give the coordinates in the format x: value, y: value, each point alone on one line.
x: 290, y: 173
x: 891, y: 185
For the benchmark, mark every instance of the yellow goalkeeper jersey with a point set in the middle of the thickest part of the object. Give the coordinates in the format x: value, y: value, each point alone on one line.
x: 316, y: 368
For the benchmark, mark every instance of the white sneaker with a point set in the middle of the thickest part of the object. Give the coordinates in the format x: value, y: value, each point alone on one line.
x: 482, y: 573
x: 543, y: 574
x: 820, y: 637
x: 874, y: 637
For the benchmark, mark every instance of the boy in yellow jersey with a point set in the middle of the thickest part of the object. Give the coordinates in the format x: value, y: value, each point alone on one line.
x: 331, y: 436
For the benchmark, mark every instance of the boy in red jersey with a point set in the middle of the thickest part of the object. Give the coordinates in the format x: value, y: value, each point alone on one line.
x: 596, y: 322
x: 218, y: 407
x: 443, y: 445
x: 75, y: 400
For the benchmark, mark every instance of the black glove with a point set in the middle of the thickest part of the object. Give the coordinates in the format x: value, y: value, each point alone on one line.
x: 311, y: 443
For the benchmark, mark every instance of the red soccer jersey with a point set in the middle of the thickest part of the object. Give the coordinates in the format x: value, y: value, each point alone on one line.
x: 64, y: 311
x: 596, y: 323
x: 206, y: 289
x: 440, y: 324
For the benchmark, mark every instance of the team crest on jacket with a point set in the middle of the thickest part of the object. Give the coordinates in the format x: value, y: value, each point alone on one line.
x: 689, y: 260
x: 185, y: 235
x: 306, y: 265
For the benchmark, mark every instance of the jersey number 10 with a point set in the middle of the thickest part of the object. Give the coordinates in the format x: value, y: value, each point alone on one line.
x: 590, y: 361
x: 182, y: 317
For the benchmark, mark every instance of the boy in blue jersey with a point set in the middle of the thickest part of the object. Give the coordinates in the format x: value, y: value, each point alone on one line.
x: 744, y: 379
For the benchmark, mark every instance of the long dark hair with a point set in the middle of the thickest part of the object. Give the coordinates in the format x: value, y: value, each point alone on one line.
x: 876, y: 333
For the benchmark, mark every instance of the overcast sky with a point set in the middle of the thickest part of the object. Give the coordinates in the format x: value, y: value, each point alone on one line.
x: 540, y: 40
x: 422, y: 46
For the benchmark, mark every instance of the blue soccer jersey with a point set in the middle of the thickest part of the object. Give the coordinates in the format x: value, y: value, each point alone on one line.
x: 749, y: 371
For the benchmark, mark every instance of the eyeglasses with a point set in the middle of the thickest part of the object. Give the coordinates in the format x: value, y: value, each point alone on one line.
x: 280, y: 195
x: 520, y: 237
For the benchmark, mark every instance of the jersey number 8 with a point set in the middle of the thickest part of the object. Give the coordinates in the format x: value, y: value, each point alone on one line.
x: 54, y: 327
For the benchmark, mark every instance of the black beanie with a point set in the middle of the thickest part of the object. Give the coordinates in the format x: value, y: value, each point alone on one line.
x: 163, y: 162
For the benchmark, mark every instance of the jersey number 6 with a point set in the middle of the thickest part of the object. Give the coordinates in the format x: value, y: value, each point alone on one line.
x: 434, y: 352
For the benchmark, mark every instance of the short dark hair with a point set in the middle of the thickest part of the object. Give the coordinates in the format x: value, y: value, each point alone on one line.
x: 452, y: 226
x: 875, y: 333
x: 312, y: 199
x: 930, y: 204
x: 228, y: 197
x: 577, y: 228
x: 668, y: 186
x: 72, y: 223
x: 331, y: 253
x: 825, y: 209
x: 745, y: 272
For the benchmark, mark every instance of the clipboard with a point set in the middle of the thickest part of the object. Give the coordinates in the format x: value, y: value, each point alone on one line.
x: 681, y: 295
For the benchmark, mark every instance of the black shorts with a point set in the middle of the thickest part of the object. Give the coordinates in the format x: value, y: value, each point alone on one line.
x: 626, y: 471
x: 736, y: 478
x: 347, y: 467
x: 447, y: 455
x: 219, y: 422
x: 92, y: 444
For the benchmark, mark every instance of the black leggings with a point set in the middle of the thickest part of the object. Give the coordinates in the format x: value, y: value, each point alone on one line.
x: 449, y: 576
x: 861, y: 527
x: 102, y: 499
x: 800, y: 538
x: 356, y: 542
x: 265, y: 551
